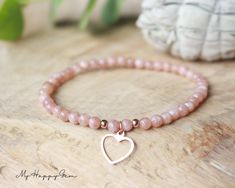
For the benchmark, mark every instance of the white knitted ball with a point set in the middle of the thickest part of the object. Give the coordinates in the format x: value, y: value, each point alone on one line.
x: 190, y: 29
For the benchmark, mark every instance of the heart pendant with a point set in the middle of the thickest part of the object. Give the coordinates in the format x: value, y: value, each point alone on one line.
x: 119, y: 136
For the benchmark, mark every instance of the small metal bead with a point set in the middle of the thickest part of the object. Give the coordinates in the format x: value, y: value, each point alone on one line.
x: 103, y: 124
x: 135, y: 122
x: 120, y: 127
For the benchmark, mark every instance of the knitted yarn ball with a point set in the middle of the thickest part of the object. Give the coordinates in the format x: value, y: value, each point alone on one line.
x: 190, y: 29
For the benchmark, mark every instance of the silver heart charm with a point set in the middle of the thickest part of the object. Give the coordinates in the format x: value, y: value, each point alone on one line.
x: 119, y: 136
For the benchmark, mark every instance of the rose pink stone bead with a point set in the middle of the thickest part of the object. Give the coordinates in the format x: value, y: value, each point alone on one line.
x: 198, y: 96
x: 203, y: 88
x: 166, y: 67
x: 42, y: 98
x: 203, y: 93
x: 148, y: 65
x: 111, y: 62
x: 43, y: 92
x: 158, y: 66
x: 49, y: 108
x: 113, y: 126
x: 84, y: 64
x: 84, y: 119
x: 174, y: 68
x: 93, y: 64
x: 102, y: 63
x: 190, y: 106
x: 183, y: 110
x: 183, y: 71
x: 130, y: 62
x: 69, y: 73
x: 56, y: 111
x: 189, y: 74
x: 77, y: 69
x: 94, y: 122
x: 139, y: 64
x: 194, y: 100
x: 121, y: 61
x: 167, y: 119
x: 145, y: 123
x: 157, y: 121
x: 74, y: 117
x: 174, y: 113
x: 47, y: 101
x: 127, y: 125
x: 63, y: 115
x: 48, y: 87
x: 62, y: 77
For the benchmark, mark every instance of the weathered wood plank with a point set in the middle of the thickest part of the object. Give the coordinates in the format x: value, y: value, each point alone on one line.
x: 197, y: 151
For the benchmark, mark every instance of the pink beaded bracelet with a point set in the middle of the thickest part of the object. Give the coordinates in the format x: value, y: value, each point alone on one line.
x: 115, y: 126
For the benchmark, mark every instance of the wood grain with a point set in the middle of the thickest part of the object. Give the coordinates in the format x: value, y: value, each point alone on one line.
x: 197, y: 151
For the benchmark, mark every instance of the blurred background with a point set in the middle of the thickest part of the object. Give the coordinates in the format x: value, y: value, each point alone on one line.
x: 21, y: 18
x: 189, y: 29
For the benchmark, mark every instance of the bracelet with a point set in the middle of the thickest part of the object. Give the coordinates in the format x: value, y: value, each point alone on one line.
x: 115, y: 126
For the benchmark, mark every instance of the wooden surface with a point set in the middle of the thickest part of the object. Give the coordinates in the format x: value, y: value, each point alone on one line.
x: 197, y: 151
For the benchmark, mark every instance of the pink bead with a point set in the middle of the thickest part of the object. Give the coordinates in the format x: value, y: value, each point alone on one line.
x: 148, y: 65
x: 93, y: 64
x: 121, y: 61
x: 174, y: 113
x: 48, y: 87
x: 63, y: 77
x: 56, y: 111
x: 130, y: 62
x: 47, y: 100
x: 43, y: 92
x: 198, y: 96
x: 114, y: 126
x: 49, y: 108
x: 145, y: 123
x: 42, y: 97
x: 202, y: 82
x: 77, y: 69
x: 73, y: 117
x: 190, y: 106
x: 84, y: 65
x: 197, y: 77
x: 55, y: 82
x: 183, y: 71
x: 183, y: 110
x: 166, y: 67
x: 194, y: 100
x: 69, y: 73
x: 63, y: 115
x: 203, y: 93
x: 94, y: 122
x: 158, y: 66
x: 56, y: 75
x: 84, y: 119
x: 167, y: 119
x: 127, y: 125
x: 111, y: 62
x: 139, y: 64
x: 174, y: 68
x: 203, y: 87
x: 157, y: 121
x: 189, y: 74
x: 102, y: 63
